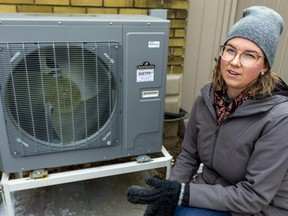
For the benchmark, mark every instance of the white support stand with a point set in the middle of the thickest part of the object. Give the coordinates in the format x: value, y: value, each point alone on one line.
x: 12, y: 185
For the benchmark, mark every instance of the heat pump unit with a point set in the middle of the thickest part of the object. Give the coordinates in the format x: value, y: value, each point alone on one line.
x: 80, y: 88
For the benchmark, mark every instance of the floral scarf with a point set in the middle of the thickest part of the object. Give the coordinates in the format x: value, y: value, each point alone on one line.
x: 225, y: 106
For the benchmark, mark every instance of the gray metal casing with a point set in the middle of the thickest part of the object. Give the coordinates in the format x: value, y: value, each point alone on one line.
x: 142, y: 102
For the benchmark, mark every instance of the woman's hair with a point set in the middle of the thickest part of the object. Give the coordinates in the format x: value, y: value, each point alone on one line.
x: 262, y: 86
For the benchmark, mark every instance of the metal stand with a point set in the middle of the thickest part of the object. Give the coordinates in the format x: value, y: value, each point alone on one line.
x: 20, y: 183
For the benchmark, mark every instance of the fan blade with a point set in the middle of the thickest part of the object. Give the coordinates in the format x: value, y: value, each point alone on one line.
x: 79, y: 123
x: 62, y: 93
x: 70, y: 65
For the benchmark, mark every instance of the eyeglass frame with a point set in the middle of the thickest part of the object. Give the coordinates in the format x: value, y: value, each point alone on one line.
x: 223, y: 48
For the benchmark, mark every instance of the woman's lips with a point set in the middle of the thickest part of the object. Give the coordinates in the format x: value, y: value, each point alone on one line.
x: 233, y: 72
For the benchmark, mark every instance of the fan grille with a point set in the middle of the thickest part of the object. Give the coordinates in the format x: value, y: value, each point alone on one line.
x: 61, y: 96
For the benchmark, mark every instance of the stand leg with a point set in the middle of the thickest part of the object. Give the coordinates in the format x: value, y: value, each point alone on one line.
x: 168, y: 170
x: 6, y: 195
x: 169, y: 162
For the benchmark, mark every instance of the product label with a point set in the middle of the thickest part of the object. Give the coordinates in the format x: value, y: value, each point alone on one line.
x: 154, y: 44
x: 145, y: 72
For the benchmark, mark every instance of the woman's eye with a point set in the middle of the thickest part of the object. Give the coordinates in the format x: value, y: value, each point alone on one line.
x: 250, y: 56
x: 230, y: 50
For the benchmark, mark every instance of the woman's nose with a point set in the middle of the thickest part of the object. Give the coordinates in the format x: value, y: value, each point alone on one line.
x: 236, y: 60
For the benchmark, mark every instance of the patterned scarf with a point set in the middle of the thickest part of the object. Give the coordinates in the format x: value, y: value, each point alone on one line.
x: 225, y: 106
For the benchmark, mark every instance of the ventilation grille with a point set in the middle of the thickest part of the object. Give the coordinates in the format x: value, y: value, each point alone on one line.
x: 61, y: 96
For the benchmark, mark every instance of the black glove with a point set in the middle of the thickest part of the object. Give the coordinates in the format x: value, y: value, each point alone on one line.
x: 162, y: 198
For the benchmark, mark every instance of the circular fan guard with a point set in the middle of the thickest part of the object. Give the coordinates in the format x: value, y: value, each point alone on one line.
x: 61, y: 97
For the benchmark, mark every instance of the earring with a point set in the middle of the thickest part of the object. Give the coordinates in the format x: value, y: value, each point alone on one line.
x: 262, y: 73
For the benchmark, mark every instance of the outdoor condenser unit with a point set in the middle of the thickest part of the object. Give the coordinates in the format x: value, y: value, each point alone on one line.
x: 80, y: 88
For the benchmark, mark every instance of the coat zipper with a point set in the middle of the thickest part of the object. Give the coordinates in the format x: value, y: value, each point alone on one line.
x: 214, y: 145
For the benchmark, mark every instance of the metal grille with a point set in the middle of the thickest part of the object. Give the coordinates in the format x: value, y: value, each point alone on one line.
x: 61, y: 96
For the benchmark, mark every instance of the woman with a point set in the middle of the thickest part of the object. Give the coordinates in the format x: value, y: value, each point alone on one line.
x: 237, y: 129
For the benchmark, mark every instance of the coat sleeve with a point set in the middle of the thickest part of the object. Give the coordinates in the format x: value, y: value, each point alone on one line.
x: 266, y: 173
x: 188, y: 161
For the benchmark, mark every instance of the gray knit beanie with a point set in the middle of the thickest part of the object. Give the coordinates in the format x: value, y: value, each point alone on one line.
x: 261, y: 25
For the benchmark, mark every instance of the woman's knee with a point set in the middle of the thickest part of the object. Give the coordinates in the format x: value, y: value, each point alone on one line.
x: 190, y: 211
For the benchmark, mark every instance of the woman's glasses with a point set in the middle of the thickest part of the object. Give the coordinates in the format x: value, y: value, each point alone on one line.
x: 248, y: 58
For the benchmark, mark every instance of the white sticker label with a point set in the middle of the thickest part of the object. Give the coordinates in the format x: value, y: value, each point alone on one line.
x: 154, y: 44
x: 145, y: 75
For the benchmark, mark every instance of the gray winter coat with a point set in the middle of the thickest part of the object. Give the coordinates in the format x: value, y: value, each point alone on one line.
x: 245, y: 159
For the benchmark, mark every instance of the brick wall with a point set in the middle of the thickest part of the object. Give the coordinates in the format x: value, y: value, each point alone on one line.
x: 177, y: 14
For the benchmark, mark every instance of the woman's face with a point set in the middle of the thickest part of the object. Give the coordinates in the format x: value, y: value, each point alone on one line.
x: 236, y: 75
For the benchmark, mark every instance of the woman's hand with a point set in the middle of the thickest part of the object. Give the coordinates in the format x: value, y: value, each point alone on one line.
x: 162, y: 197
